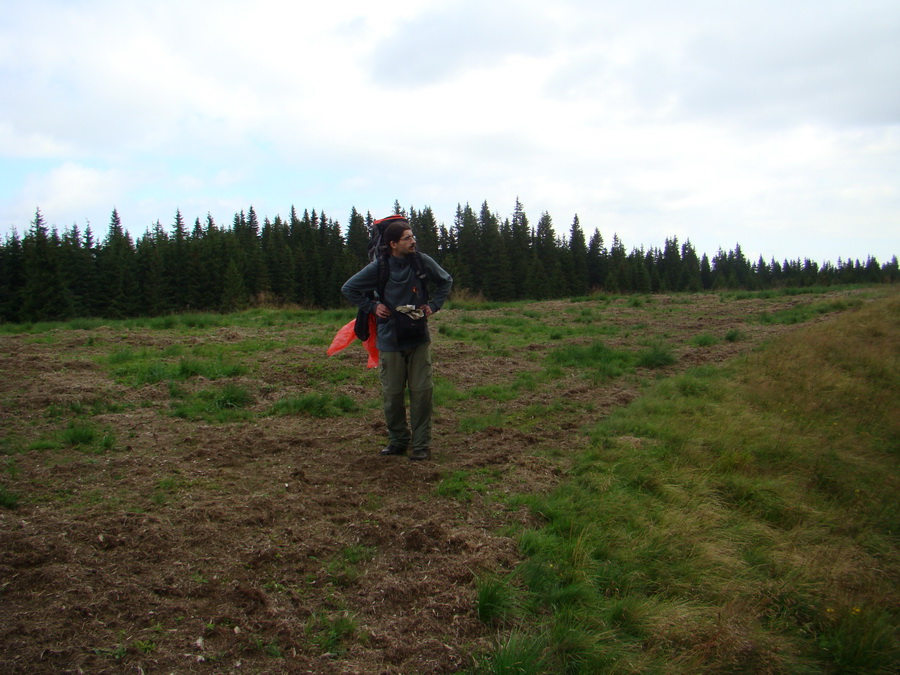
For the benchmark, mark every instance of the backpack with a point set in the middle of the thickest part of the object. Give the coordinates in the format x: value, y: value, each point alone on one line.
x: 379, y: 250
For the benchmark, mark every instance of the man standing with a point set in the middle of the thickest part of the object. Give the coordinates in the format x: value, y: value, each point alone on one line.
x: 403, y: 342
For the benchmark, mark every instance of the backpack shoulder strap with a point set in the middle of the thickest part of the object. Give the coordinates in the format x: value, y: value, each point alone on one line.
x: 421, y: 273
x: 384, y: 273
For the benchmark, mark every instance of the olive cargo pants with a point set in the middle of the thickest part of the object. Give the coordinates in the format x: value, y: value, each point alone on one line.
x: 412, y: 368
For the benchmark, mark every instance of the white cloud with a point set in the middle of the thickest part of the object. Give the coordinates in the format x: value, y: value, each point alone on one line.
x: 71, y: 187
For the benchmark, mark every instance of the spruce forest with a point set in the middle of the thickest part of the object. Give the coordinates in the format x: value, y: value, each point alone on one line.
x: 46, y: 275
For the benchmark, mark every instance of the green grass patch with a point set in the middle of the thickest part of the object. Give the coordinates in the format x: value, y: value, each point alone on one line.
x: 595, y: 359
x: 147, y: 366
x: 8, y: 498
x: 331, y: 632
x: 344, y: 569
x: 803, y: 313
x: 315, y: 405
x: 461, y: 485
x: 79, y: 433
x: 655, y: 355
x: 734, y: 335
x: 445, y: 392
x: 704, y: 340
x: 479, y: 422
x: 225, y: 404
x: 497, y: 599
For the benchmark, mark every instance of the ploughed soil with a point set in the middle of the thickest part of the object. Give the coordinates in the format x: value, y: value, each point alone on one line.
x: 285, y: 543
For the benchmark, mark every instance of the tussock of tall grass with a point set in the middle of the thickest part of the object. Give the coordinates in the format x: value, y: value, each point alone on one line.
x: 224, y: 404
x: 740, y: 519
x: 315, y: 405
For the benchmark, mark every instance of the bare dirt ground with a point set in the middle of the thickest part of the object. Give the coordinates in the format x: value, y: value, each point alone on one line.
x: 286, y: 544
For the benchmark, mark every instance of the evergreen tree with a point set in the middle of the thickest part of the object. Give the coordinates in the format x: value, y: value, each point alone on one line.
x: 775, y: 273
x: 638, y: 274
x: 468, y: 267
x: 497, y: 282
x: 117, y: 271
x: 358, y: 238
x: 79, y: 271
x: 651, y: 262
x: 739, y: 269
x: 617, y: 275
x: 175, y: 261
x: 519, y: 249
x: 761, y: 274
x: 547, y: 249
x: 306, y: 258
x: 151, y: 272
x: 578, y: 267
x: 706, y: 273
x: 598, y: 261
x: 12, y: 278
x: 425, y: 228
x: 891, y: 271
x: 45, y: 296
x: 534, y: 286
x: 279, y: 260
x: 670, y: 266
x: 690, y: 269
x: 195, y: 272
x: 249, y: 257
x: 234, y: 292
x: 336, y: 266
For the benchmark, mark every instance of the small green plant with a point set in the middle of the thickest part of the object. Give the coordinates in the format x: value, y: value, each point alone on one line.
x: 117, y: 653
x: 496, y: 599
x: 521, y: 653
x: 734, y: 335
x: 358, y: 553
x: 331, y: 633
x: 455, y: 486
x: 144, y: 646
x: 11, y: 467
x: 859, y: 639
x: 79, y: 433
x: 595, y: 358
x: 343, y: 570
x: 315, y: 405
x: 705, y: 340
x: 656, y: 355
x: 476, y: 423
x: 216, y: 405
x: 8, y: 499
x: 460, y: 485
x: 270, y: 648
x: 232, y: 396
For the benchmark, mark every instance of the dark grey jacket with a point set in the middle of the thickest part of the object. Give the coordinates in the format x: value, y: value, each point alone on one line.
x: 401, y: 289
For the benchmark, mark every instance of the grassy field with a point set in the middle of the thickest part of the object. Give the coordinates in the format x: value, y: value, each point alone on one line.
x: 680, y: 483
x: 735, y: 518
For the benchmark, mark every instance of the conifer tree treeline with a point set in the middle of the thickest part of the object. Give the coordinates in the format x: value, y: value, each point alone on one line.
x: 48, y: 275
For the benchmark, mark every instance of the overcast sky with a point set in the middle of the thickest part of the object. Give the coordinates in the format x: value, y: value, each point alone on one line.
x: 774, y: 124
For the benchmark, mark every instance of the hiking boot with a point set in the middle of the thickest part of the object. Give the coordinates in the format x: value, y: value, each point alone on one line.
x: 419, y: 454
x: 391, y: 450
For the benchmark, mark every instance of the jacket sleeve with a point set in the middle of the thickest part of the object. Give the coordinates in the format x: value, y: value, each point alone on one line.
x: 441, y: 282
x: 359, y: 288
